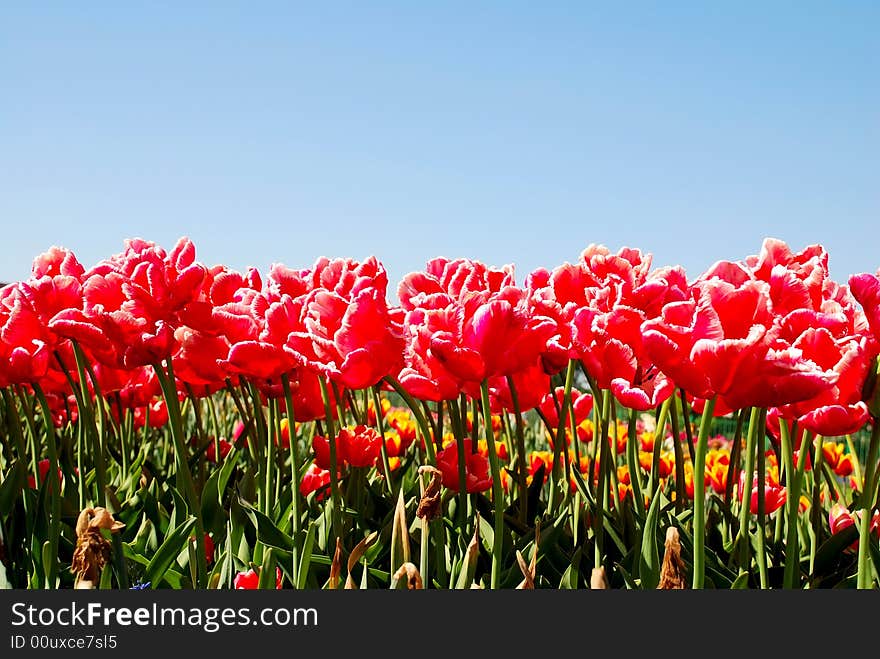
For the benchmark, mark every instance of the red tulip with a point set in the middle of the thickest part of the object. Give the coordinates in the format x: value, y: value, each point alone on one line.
x: 551, y: 403
x: 25, y: 345
x: 530, y: 384
x: 315, y: 479
x: 477, y: 477
x: 774, y: 495
x: 840, y: 518
x: 250, y: 580
x: 865, y: 288
x: 321, y: 448
x: 359, y: 446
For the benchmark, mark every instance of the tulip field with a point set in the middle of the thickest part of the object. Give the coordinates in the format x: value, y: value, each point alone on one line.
x: 600, y: 424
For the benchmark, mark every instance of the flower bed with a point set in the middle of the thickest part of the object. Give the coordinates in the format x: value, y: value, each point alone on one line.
x: 167, y: 424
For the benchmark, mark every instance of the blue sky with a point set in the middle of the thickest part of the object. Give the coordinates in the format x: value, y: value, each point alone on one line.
x: 509, y: 132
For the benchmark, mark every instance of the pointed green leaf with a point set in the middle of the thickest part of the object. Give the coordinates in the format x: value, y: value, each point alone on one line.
x: 168, y: 552
x: 649, y: 558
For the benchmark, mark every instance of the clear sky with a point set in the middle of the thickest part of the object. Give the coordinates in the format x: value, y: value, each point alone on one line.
x: 510, y: 132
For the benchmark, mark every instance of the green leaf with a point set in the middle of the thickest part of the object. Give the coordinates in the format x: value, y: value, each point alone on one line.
x: 649, y: 558
x: 875, y: 555
x: 212, y: 504
x: 741, y: 582
x: 831, y: 550
x: 572, y: 573
x: 267, y: 571
x: 627, y: 577
x: 582, y: 487
x: 179, y: 508
x: 267, y: 532
x: 106, y: 577
x: 169, y: 550
x: 302, y: 579
x: 48, y: 557
x: 487, y: 533
x: 11, y: 488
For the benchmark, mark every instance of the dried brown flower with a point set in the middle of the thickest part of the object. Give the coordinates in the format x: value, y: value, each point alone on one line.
x: 413, y: 578
x: 92, y: 549
x: 429, y: 505
x: 672, y: 573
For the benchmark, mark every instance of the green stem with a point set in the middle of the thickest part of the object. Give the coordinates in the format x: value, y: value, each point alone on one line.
x: 869, y: 491
x: 294, y: 464
x: 334, y: 461
x: 762, y: 479
x: 87, y: 413
x: 680, y: 485
x: 521, y: 452
x: 457, y: 428
x: 659, y: 436
x: 686, y: 420
x: 13, y: 425
x: 169, y: 391
x: 632, y: 464
x: 865, y: 578
x: 53, y: 487
x: 559, y: 482
x: 755, y: 425
x: 794, y: 478
x: 274, y: 441
x: 497, y: 491
x: 33, y: 436
x: 700, y: 495
x: 380, y: 423
x: 421, y: 421
x: 604, y: 398
x: 735, y: 451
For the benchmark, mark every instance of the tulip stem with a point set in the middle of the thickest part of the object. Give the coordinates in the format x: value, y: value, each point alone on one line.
x: 686, y: 421
x: 33, y: 438
x: 735, y: 454
x: 296, y: 503
x: 762, y: 484
x: 417, y: 413
x: 700, y: 495
x: 53, y: 485
x: 559, y: 441
x: 792, y: 559
x: 756, y: 422
x: 458, y: 430
x: 869, y: 476
x: 13, y: 427
x: 865, y: 574
x: 380, y: 424
x: 604, y: 398
x: 680, y: 485
x: 632, y: 464
x: 169, y: 391
x: 816, y: 507
x: 336, y: 522
x: 87, y: 413
x: 659, y: 436
x: 497, y: 491
x: 521, y: 453
x: 273, y: 441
